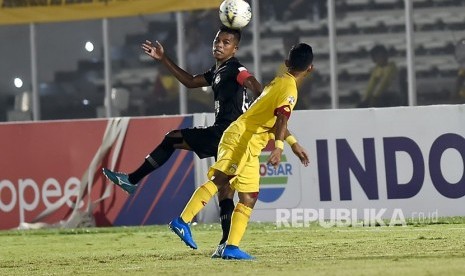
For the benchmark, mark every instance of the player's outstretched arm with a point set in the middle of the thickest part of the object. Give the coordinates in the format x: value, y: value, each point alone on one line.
x: 157, y: 52
x: 253, y: 85
x: 298, y: 150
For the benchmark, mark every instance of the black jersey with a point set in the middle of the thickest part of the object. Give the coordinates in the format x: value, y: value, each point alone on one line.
x: 231, y: 98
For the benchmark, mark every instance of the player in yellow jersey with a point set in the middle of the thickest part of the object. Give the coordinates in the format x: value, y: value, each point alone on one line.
x: 237, y: 165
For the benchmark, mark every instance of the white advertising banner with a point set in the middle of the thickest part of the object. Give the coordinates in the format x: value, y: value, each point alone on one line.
x: 403, y: 162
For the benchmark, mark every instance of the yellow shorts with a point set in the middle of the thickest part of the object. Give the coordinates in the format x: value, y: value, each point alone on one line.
x: 238, y: 157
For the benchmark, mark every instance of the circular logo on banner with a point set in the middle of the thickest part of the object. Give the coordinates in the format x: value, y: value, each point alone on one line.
x: 273, y: 181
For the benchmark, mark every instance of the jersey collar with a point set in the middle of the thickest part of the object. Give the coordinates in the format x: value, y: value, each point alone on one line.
x: 226, y: 61
x: 292, y: 76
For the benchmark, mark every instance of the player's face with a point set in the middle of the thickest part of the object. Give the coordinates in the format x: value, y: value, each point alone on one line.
x: 224, y: 46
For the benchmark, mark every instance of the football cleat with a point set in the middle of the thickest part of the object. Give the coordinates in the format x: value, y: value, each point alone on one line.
x: 232, y: 252
x: 182, y: 229
x: 121, y: 180
x: 218, y: 251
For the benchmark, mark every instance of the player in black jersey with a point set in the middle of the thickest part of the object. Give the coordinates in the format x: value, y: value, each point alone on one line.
x: 229, y: 80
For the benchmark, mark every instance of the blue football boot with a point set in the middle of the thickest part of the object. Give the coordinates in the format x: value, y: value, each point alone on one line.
x: 232, y: 252
x: 182, y: 229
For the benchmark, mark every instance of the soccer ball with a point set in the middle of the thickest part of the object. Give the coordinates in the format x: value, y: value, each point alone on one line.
x: 235, y: 14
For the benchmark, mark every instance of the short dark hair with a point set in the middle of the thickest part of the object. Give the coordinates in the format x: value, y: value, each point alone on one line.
x: 300, y: 57
x: 379, y: 50
x: 237, y: 33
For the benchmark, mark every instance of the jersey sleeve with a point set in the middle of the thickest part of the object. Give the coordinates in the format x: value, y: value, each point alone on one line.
x: 286, y: 102
x: 242, y: 75
x: 239, y: 72
x: 209, y: 75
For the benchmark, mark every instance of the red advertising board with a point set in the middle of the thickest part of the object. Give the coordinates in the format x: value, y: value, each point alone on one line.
x: 42, y: 162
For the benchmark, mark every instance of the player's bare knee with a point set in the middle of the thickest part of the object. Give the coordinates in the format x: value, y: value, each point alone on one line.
x: 225, y: 192
x: 220, y: 179
x: 248, y: 199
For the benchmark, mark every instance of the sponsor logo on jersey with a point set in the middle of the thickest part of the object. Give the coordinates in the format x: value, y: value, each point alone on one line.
x: 291, y: 100
x: 217, y: 79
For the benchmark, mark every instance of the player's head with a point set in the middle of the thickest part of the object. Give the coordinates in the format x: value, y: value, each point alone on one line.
x: 226, y: 43
x: 300, y: 58
x: 237, y: 33
x: 379, y: 55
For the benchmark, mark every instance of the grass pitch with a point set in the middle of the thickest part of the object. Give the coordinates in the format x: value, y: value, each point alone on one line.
x: 420, y: 249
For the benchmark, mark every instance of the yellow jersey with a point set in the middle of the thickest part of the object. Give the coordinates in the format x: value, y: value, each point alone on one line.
x: 282, y: 69
x: 255, y: 124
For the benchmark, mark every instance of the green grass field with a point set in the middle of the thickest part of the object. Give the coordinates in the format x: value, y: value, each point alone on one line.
x: 421, y: 249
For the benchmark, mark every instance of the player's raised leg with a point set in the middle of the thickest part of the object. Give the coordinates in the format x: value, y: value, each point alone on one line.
x: 121, y: 180
x: 128, y: 182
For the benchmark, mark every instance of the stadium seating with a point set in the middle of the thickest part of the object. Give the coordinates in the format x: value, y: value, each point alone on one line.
x: 360, y: 25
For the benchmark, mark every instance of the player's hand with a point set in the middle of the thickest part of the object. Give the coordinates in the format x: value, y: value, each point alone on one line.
x: 275, y: 157
x: 300, y: 152
x: 156, y: 50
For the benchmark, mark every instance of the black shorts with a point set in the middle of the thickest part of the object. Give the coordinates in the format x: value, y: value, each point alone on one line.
x: 204, y: 140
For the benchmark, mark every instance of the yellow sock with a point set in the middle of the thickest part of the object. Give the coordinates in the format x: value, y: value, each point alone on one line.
x: 239, y: 220
x: 199, y: 199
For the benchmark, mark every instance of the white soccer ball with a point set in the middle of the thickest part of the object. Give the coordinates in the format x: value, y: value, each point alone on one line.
x: 235, y: 14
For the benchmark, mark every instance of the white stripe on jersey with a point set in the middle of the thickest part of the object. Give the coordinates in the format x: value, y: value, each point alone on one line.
x: 245, y: 103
